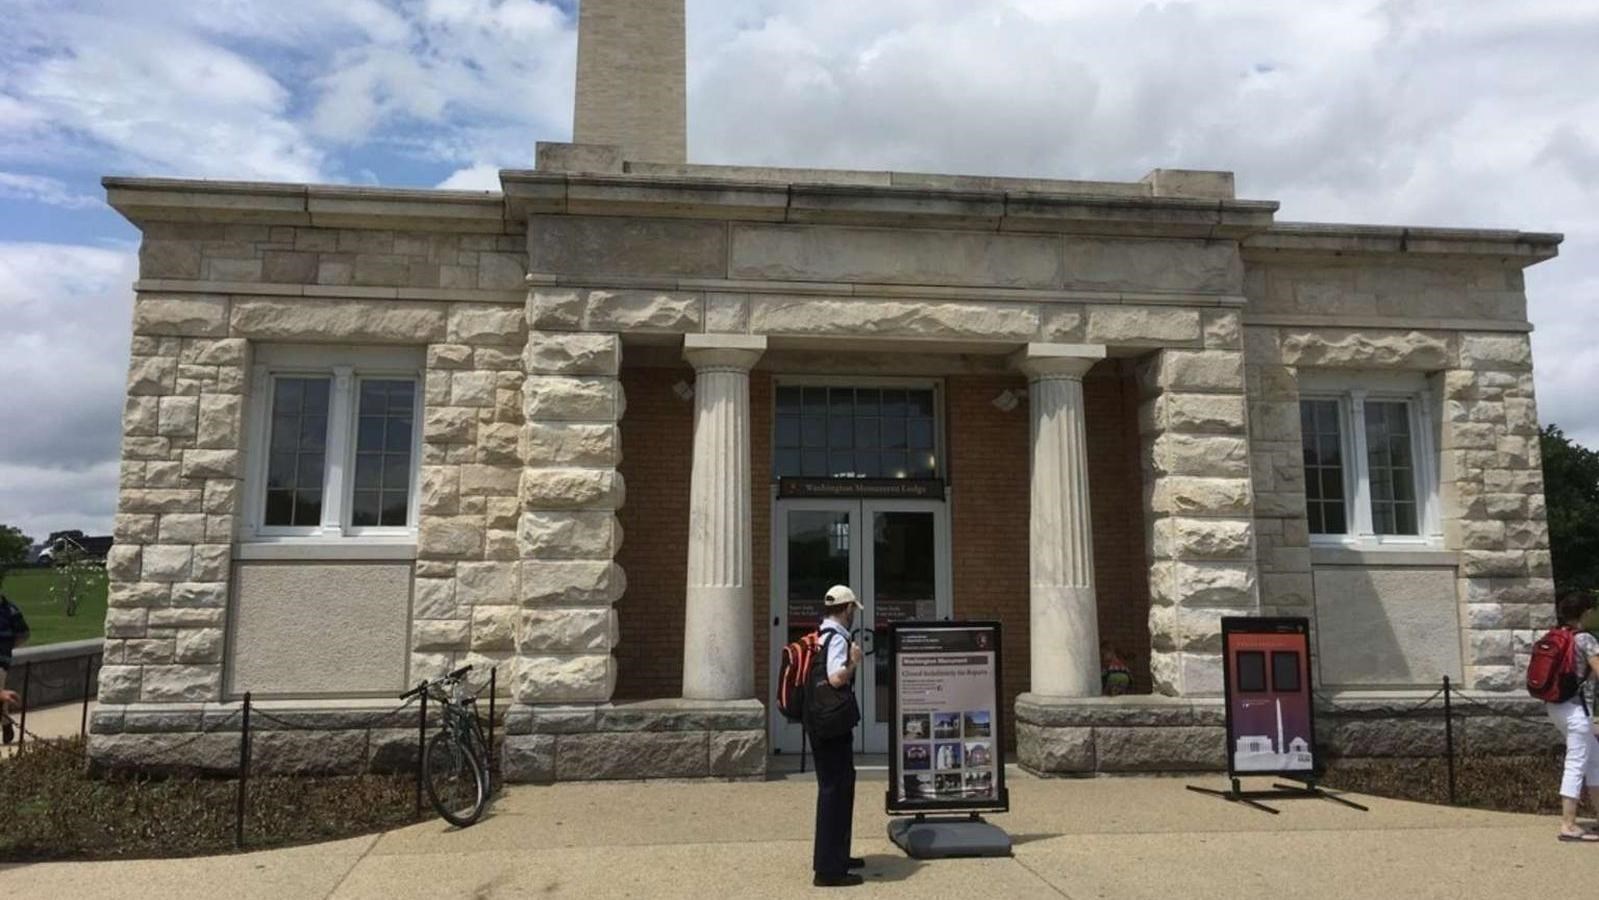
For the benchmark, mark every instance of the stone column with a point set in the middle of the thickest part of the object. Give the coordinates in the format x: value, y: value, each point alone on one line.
x: 1064, y: 620
x: 718, y: 655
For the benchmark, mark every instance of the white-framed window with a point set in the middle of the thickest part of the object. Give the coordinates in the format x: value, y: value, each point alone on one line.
x: 1370, y: 459
x: 334, y: 443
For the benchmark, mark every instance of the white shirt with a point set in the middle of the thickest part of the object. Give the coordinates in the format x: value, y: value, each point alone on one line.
x: 838, y: 648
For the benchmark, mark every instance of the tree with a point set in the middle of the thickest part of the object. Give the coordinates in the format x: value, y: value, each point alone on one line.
x: 13, y: 548
x: 76, y: 576
x: 1571, y: 487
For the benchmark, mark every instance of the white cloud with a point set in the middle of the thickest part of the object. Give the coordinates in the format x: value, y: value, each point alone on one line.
x: 1396, y: 112
x: 42, y: 189
x: 63, y: 366
x: 478, y: 177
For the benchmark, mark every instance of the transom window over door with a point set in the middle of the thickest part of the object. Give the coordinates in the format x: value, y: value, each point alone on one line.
x: 1369, y: 463
x: 334, y: 443
x: 827, y: 431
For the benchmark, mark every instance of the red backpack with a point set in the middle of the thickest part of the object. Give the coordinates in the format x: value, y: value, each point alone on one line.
x: 1552, y: 672
x: 798, y: 657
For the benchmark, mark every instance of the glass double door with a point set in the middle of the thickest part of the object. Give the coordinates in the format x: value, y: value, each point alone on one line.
x: 893, y: 553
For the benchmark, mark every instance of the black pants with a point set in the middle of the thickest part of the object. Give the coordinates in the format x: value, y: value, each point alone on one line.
x: 835, y: 804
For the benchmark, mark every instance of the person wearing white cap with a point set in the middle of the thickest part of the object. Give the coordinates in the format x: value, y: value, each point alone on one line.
x: 833, y: 741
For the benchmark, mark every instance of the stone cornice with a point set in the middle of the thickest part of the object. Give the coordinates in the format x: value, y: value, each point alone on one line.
x: 528, y: 192
x: 143, y: 200
x: 1314, y: 239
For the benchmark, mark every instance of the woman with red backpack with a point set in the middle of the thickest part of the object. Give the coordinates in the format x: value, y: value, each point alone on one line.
x: 1563, y: 662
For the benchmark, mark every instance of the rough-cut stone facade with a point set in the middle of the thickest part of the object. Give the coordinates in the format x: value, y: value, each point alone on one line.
x: 525, y: 307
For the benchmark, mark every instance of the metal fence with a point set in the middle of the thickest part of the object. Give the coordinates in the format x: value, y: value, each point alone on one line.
x: 249, y: 716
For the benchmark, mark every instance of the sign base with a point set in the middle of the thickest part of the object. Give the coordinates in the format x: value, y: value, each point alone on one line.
x: 948, y: 837
x: 1306, y: 791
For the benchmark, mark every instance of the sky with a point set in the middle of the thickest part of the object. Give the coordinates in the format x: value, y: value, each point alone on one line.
x: 1417, y: 112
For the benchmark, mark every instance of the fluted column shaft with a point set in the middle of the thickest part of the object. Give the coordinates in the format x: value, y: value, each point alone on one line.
x: 1064, y: 618
x: 718, y: 622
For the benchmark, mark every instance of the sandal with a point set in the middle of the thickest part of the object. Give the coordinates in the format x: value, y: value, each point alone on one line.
x: 1586, y: 837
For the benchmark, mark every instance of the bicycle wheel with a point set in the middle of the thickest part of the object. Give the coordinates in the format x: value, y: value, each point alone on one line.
x: 455, y: 780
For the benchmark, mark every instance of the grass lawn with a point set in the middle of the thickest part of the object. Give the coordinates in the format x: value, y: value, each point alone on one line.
x: 29, y: 589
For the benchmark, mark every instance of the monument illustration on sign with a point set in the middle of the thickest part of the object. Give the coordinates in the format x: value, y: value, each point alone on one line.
x: 1257, y: 753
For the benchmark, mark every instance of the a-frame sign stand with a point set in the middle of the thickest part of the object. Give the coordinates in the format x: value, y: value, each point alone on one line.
x: 1306, y: 791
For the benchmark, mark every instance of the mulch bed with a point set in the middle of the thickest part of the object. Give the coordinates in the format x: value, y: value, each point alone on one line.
x: 50, y: 808
x: 1524, y: 784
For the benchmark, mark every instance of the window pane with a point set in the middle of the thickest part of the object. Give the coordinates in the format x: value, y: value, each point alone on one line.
x: 868, y: 402
x: 364, y: 508
x: 395, y: 506
x: 369, y: 434
x: 788, y: 463
x: 840, y: 433
x: 866, y: 433
x: 920, y: 403
x: 815, y: 401
x: 1321, y: 448
x: 894, y: 403
x: 1405, y: 519
x: 815, y: 463
x: 1390, y: 467
x: 841, y: 464
x: 895, y: 464
x: 788, y: 431
x: 814, y: 431
x: 368, y: 471
x: 299, y: 432
x: 841, y: 402
x: 894, y: 434
x: 919, y: 433
x: 383, y: 452
x: 923, y: 465
x: 867, y: 464
x: 788, y: 401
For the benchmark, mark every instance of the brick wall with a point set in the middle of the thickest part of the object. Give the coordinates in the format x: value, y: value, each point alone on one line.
x: 657, y: 458
x: 988, y: 459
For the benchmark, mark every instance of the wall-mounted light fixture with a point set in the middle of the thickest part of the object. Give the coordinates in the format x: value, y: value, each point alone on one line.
x: 683, y: 390
x: 1009, y: 399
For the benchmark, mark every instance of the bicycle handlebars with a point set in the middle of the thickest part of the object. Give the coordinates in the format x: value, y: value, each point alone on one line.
x: 453, y: 676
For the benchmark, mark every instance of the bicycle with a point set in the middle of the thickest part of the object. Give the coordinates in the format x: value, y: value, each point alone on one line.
x: 455, y: 763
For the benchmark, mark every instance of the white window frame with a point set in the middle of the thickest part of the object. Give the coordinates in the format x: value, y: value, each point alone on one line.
x: 1352, y: 391
x: 347, y: 368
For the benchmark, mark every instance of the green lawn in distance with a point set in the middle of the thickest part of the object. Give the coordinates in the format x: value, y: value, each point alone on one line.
x: 29, y: 589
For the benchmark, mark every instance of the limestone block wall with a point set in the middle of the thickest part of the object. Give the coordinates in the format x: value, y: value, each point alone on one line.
x: 568, y: 532
x: 1490, y: 473
x: 178, y: 502
x: 1199, y: 505
x: 467, y: 569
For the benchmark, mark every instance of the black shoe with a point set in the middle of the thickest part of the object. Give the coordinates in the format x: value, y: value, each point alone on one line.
x: 848, y: 879
x: 855, y: 862
x: 6, y: 734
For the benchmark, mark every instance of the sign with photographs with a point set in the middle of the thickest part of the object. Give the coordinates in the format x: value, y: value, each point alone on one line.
x: 1271, y: 726
x: 948, y: 747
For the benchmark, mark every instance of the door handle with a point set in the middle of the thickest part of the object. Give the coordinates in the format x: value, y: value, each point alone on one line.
x: 776, y: 621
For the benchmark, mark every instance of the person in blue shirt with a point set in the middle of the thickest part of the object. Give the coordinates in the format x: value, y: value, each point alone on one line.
x: 835, y: 755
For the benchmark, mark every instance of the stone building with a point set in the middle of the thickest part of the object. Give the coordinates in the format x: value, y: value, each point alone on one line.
x: 372, y: 434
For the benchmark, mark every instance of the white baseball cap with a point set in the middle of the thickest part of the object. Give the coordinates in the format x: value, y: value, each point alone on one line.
x: 839, y: 595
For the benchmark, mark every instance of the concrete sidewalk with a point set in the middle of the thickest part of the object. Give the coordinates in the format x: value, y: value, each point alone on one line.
x: 1107, y: 837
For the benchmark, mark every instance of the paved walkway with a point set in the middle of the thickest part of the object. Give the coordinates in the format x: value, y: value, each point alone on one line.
x: 63, y: 720
x: 1121, y: 837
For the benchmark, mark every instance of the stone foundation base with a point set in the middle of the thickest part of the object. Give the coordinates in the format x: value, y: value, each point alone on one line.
x: 286, y: 738
x: 646, y: 739
x: 1087, y: 735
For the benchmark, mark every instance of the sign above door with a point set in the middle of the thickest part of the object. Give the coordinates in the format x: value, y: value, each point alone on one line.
x: 861, y: 488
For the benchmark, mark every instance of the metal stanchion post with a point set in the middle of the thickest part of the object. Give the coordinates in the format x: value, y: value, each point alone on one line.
x: 421, y: 746
x: 1449, y: 740
x: 22, y: 726
x: 493, y: 686
x: 88, y: 670
x: 244, y: 773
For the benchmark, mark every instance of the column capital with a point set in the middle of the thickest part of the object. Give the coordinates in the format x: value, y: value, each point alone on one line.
x: 723, y: 351
x: 1043, y: 360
